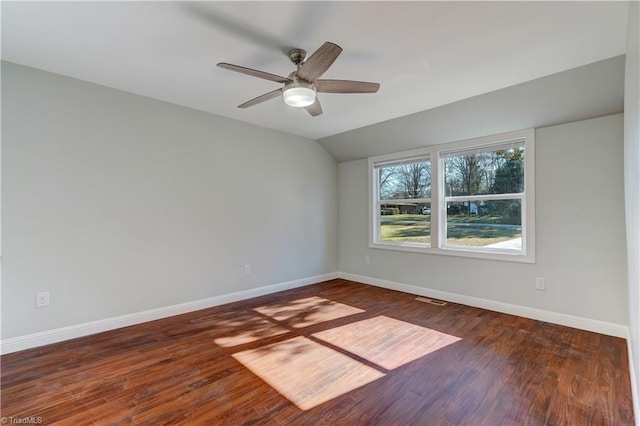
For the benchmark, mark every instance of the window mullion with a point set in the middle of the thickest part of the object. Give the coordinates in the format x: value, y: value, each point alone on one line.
x: 436, y: 199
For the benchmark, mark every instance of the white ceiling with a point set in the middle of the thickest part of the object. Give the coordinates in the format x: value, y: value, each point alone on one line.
x: 424, y: 54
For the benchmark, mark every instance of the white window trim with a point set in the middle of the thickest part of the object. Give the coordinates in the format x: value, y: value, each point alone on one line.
x: 438, y: 242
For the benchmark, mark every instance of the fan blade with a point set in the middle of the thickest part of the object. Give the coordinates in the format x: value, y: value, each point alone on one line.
x: 314, y: 109
x: 261, y: 98
x: 346, y: 86
x: 254, y: 73
x: 319, y: 61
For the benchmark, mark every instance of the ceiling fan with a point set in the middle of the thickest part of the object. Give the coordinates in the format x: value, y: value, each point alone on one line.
x: 301, y: 86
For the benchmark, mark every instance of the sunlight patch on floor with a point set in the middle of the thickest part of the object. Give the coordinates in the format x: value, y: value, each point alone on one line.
x: 308, y: 311
x: 305, y: 372
x: 385, y: 341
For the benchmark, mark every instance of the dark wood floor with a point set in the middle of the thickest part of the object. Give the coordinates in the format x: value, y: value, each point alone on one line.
x: 333, y: 353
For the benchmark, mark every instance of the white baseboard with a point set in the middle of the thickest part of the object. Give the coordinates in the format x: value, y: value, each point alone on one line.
x: 634, y: 383
x: 603, y: 327
x: 19, y: 343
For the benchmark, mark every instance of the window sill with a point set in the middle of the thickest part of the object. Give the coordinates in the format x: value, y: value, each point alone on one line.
x: 502, y: 255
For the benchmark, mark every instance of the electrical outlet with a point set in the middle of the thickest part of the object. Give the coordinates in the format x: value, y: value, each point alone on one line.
x: 367, y: 260
x: 541, y: 284
x: 42, y: 299
x: 247, y: 269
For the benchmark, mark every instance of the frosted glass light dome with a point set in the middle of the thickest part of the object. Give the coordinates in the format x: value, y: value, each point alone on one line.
x: 299, y: 93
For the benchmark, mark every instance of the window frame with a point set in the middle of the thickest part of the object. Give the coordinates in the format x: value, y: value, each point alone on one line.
x: 438, y: 200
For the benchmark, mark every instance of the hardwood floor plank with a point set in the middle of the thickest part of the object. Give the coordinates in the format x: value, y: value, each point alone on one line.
x: 280, y: 359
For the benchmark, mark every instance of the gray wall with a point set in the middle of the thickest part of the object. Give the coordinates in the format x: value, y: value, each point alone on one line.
x: 632, y: 185
x: 116, y: 203
x: 580, y: 231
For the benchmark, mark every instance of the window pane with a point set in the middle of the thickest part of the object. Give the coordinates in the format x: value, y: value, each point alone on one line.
x: 405, y: 223
x: 411, y: 180
x: 485, y: 172
x: 492, y: 224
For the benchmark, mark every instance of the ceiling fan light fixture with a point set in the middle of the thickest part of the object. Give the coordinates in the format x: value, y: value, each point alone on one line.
x: 299, y: 94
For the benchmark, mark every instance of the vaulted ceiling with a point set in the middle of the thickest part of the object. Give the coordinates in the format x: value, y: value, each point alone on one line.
x: 424, y: 54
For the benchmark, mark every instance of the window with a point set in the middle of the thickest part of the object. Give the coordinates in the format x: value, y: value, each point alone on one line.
x: 404, y: 203
x: 471, y: 198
